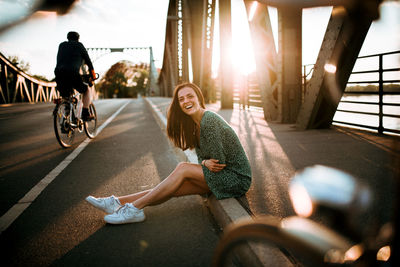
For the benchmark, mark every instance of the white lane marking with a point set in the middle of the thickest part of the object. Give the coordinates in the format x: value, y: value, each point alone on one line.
x: 12, y: 214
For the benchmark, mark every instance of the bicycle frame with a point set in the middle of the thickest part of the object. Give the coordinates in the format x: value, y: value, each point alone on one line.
x: 75, y: 110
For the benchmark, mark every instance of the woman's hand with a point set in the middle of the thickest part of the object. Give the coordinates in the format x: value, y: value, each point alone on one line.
x: 213, y: 165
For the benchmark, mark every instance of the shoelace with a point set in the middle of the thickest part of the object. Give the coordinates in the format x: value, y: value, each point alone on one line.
x: 125, y: 210
x: 114, y: 203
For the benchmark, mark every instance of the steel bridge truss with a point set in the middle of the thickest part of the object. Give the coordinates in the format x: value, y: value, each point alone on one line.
x: 188, y: 46
x: 189, y: 35
x: 17, y: 86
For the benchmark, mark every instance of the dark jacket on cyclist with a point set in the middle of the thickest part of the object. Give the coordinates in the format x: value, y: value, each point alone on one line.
x: 70, y: 57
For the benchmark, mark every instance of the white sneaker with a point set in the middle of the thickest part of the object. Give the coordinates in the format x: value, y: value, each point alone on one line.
x: 107, y: 204
x: 127, y: 214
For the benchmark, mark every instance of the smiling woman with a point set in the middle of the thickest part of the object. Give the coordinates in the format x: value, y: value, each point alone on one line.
x: 223, y: 168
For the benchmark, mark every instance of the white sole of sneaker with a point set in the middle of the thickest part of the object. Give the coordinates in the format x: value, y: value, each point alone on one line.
x: 115, y: 221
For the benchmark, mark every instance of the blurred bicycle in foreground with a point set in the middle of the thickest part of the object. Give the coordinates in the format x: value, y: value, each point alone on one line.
x: 346, y: 238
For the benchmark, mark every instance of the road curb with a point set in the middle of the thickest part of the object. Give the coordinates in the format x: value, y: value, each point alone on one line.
x: 225, y: 211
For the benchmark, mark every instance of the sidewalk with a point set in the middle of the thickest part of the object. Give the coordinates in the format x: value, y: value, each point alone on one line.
x: 277, y: 151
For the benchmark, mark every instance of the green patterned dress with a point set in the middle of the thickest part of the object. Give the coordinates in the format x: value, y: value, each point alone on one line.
x: 219, y: 141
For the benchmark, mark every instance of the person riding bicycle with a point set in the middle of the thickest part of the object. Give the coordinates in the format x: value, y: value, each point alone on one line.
x: 71, y: 54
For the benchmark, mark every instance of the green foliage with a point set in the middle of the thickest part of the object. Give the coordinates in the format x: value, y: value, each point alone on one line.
x: 24, y: 66
x: 123, y: 80
x: 19, y: 63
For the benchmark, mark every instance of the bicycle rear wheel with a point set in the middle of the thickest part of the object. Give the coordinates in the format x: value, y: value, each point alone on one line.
x: 91, y: 126
x: 64, y: 132
x: 308, y: 241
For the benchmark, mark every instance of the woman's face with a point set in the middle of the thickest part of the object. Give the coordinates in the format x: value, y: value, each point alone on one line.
x: 188, y: 100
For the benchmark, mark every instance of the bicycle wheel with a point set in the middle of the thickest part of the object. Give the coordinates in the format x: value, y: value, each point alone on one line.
x: 91, y: 126
x: 64, y: 132
x: 299, y: 236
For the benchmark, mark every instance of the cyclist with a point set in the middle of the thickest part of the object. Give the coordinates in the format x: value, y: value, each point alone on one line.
x: 71, y: 54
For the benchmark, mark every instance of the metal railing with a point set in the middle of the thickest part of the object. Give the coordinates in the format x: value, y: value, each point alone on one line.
x: 246, y: 93
x: 381, y: 92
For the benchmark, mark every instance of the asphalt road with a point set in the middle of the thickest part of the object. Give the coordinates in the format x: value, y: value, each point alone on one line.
x: 59, y: 228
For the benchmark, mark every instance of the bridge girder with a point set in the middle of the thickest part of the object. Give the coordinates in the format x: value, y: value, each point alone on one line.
x: 188, y: 36
x: 344, y: 37
x: 279, y: 75
x: 266, y: 59
x: 340, y: 47
x: 168, y: 78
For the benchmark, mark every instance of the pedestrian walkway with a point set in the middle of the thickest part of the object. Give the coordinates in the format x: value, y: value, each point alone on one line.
x: 277, y: 151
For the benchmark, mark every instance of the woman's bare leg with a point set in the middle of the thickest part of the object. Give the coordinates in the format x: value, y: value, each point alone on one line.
x: 186, y: 179
x: 132, y: 197
x: 187, y: 188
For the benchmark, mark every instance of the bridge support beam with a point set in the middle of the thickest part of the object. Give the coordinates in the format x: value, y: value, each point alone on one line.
x: 5, y: 92
x: 342, y: 42
x: 152, y: 85
x: 225, y: 67
x: 194, y: 22
x: 265, y: 57
x: 169, y: 76
x: 279, y: 76
x: 199, y: 22
x: 188, y: 45
x: 290, y: 62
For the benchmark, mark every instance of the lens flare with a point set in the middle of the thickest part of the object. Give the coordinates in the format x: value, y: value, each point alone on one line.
x: 301, y: 201
x: 330, y: 68
x: 383, y: 253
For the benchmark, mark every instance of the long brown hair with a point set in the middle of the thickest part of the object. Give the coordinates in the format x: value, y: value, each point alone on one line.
x: 181, y: 128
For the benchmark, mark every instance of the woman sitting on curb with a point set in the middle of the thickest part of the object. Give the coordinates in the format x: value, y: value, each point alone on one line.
x: 223, y: 168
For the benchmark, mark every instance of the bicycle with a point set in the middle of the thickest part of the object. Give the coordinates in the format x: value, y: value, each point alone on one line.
x: 346, y: 238
x: 67, y: 117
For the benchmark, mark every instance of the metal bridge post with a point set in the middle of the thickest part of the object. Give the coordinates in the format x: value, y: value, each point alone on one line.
x: 225, y: 68
x: 289, y: 62
x: 4, y: 83
x: 169, y: 75
x: 153, y: 74
x: 265, y: 58
x: 207, y: 48
x: 380, y: 127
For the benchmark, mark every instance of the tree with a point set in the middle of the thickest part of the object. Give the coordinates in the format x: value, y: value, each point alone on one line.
x: 141, y: 79
x: 22, y: 65
x: 117, y: 84
x: 123, y: 79
x: 19, y: 63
